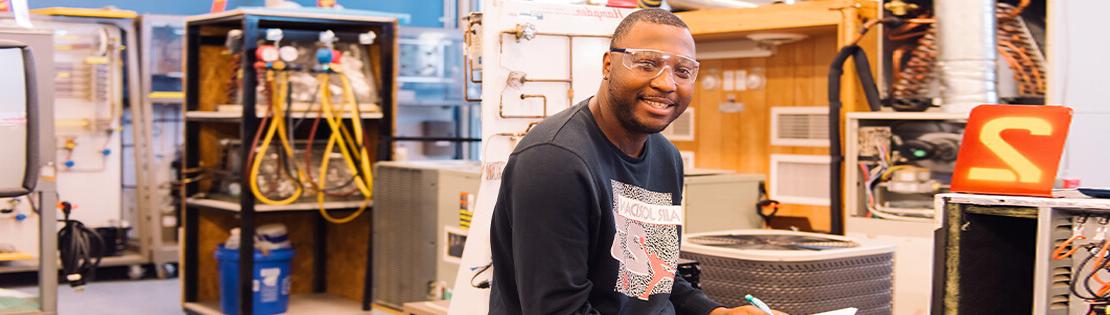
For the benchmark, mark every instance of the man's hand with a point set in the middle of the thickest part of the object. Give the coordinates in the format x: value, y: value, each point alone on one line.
x: 743, y: 310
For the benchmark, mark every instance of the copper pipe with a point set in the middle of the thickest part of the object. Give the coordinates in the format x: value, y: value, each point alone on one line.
x: 468, y: 76
x: 474, y: 20
x: 1015, y: 12
x: 1020, y: 51
x: 512, y: 136
x: 518, y: 33
x: 501, y: 109
x: 912, y: 77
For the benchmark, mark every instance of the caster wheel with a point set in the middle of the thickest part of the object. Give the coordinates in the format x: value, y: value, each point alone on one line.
x: 135, y: 272
x: 168, y: 271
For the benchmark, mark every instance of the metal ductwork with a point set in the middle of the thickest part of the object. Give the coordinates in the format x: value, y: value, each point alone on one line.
x: 968, y: 53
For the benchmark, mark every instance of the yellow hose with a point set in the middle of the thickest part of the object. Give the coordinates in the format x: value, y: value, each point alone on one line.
x: 277, y: 125
x: 364, y: 181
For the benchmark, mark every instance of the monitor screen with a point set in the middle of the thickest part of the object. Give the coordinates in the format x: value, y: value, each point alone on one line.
x: 14, y: 119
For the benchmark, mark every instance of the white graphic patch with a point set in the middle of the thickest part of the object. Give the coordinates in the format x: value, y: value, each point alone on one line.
x: 646, y: 243
x: 648, y: 213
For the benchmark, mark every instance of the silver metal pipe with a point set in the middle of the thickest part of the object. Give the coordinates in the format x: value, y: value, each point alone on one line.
x: 968, y: 55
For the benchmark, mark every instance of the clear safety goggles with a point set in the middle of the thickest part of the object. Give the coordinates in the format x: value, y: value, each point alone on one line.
x: 649, y: 63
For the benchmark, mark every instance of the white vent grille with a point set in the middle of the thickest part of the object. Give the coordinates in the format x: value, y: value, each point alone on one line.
x: 800, y: 126
x: 800, y: 179
x: 687, y: 159
x: 682, y: 128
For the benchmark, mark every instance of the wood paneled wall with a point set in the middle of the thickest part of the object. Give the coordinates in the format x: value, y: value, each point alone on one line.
x: 797, y: 75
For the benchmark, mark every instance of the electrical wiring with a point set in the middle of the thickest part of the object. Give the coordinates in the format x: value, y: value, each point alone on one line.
x: 1061, y: 252
x: 485, y: 284
x: 882, y: 171
x: 1097, y: 268
x: 1075, y: 279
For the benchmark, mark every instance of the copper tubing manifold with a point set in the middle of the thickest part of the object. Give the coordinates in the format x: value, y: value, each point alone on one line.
x: 528, y: 32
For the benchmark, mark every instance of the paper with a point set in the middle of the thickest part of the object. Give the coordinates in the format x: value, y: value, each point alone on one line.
x: 741, y: 80
x: 845, y: 311
x: 729, y: 78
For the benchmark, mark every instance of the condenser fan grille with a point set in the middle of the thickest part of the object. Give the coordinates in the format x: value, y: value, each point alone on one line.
x: 772, y: 242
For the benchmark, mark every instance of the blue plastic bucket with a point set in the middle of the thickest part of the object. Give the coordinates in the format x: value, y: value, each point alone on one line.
x: 271, y: 280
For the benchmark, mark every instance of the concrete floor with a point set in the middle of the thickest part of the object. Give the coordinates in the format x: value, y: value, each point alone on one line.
x: 141, y: 297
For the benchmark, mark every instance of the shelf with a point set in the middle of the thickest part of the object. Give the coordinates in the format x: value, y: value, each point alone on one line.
x: 235, y: 117
x: 319, y: 303
x: 123, y: 260
x: 166, y: 97
x: 15, y: 256
x: 297, y: 206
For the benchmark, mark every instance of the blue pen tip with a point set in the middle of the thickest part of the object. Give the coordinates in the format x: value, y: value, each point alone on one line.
x: 749, y: 297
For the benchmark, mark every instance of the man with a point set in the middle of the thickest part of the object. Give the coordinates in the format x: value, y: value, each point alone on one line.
x: 588, y: 218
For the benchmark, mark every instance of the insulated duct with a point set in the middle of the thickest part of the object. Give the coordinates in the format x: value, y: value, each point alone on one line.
x: 968, y: 53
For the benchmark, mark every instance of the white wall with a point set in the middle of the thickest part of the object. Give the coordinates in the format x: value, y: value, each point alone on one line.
x: 1078, y: 69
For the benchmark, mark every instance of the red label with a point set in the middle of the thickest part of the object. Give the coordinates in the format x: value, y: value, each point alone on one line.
x: 219, y: 6
x: 1011, y: 150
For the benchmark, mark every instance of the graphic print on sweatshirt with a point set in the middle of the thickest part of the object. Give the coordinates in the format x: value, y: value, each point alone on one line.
x: 647, y: 240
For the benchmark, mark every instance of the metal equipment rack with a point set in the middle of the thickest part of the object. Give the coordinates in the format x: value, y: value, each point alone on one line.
x: 134, y: 255
x: 211, y: 215
x: 159, y: 240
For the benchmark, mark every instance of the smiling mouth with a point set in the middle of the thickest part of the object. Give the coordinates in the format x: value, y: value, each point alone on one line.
x: 658, y: 103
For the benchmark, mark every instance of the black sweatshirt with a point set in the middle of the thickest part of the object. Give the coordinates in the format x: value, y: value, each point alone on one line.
x: 581, y: 228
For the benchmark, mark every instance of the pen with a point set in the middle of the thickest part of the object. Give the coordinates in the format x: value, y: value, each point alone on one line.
x: 759, y: 304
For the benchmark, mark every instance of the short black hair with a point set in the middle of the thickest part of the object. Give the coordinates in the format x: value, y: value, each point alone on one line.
x: 653, y: 16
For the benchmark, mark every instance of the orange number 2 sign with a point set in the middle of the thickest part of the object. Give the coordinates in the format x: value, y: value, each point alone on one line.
x: 1011, y: 150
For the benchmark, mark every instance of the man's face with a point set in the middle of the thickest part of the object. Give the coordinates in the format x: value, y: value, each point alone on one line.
x: 648, y: 104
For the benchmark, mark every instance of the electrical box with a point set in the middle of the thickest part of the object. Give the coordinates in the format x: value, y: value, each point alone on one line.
x: 1017, y: 249
x: 721, y: 200
x: 421, y: 219
x: 895, y: 163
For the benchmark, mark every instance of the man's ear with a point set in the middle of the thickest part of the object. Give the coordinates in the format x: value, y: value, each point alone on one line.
x: 606, y: 63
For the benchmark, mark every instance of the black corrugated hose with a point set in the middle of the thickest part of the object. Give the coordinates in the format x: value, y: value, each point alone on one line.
x: 80, y: 249
x: 871, y: 92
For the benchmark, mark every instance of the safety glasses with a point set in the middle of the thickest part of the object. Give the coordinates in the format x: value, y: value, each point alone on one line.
x: 649, y: 63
